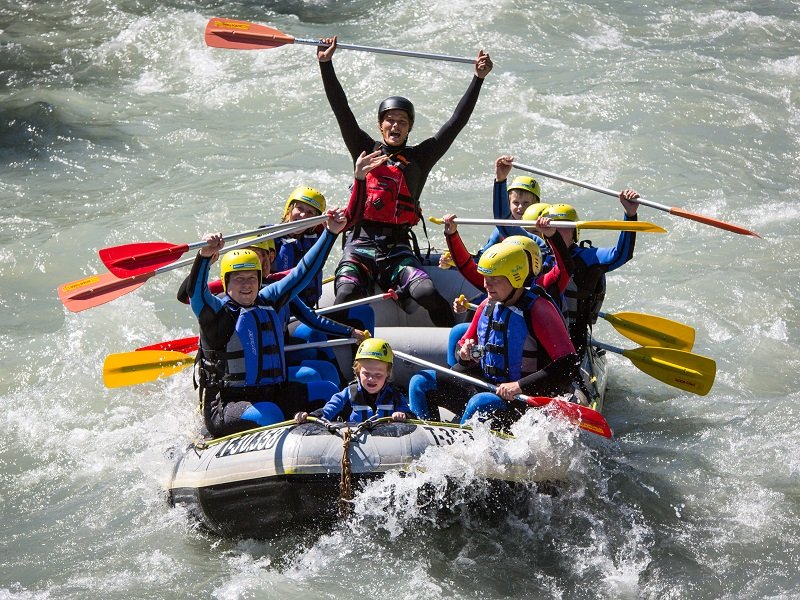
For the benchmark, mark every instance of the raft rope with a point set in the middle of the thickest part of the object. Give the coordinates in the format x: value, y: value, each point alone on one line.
x: 346, y: 483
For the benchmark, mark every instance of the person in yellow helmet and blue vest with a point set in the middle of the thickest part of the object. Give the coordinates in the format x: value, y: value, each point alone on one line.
x: 371, y: 394
x: 243, y: 373
x: 516, y: 340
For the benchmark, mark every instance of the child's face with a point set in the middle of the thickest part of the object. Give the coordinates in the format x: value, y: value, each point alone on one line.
x: 301, y: 210
x: 372, y: 374
x: 518, y: 201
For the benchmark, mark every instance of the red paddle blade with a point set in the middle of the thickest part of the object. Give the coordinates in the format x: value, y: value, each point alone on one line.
x: 243, y: 35
x: 96, y: 290
x: 134, y: 259
x: 582, y: 416
x: 709, y: 221
x: 185, y: 345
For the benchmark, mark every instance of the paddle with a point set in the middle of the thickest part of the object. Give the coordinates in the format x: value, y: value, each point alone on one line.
x: 243, y: 35
x: 641, y: 226
x: 678, y: 212
x: 684, y: 370
x: 189, y: 344
x: 650, y: 330
x: 132, y: 368
x: 134, y: 259
x: 583, y: 416
x: 98, y: 289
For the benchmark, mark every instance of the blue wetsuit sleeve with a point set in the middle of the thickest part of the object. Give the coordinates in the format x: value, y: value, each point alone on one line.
x: 200, y: 297
x: 500, y: 200
x: 282, y: 292
x: 308, y: 317
x: 616, y: 256
x: 336, y: 404
x: 494, y: 238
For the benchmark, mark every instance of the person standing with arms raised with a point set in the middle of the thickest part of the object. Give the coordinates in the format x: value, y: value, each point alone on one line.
x: 381, y: 245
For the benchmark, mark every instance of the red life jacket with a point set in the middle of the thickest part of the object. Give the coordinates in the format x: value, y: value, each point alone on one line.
x: 388, y: 198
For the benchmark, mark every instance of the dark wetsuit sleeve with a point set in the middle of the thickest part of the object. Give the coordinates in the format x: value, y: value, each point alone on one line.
x: 215, y: 287
x: 308, y: 317
x: 432, y: 149
x: 183, y: 291
x: 553, y: 338
x: 463, y: 260
x: 355, y: 138
x: 281, y: 292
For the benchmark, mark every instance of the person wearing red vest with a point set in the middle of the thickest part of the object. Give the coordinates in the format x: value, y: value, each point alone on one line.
x: 381, y: 248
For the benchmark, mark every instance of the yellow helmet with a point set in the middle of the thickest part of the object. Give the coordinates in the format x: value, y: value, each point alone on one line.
x: 310, y: 196
x: 563, y: 212
x: 528, y: 184
x: 238, y: 260
x: 375, y: 348
x: 534, y: 211
x: 531, y: 249
x: 505, y: 260
x: 263, y: 244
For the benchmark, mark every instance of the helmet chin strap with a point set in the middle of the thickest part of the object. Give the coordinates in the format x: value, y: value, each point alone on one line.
x: 505, y: 300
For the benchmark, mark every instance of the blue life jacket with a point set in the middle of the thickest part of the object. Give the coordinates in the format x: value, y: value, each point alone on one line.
x: 510, y: 349
x: 385, y: 404
x: 290, y: 252
x: 254, y: 354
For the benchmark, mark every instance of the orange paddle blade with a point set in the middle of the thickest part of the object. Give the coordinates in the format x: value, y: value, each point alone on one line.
x: 243, y: 35
x: 97, y: 289
x: 679, y: 212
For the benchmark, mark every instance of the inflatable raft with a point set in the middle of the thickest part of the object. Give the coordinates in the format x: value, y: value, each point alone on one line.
x: 269, y: 480
x: 264, y: 481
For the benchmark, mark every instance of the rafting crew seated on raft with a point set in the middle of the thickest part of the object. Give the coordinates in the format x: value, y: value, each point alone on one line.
x: 244, y: 384
x: 517, y: 340
x: 383, y: 250
x: 371, y: 394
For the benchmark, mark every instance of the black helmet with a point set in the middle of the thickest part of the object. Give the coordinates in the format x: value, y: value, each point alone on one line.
x: 396, y: 103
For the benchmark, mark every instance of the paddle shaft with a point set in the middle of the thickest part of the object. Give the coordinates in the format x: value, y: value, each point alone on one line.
x: 679, y: 212
x: 642, y: 226
x: 189, y: 344
x: 279, y: 229
x: 412, y: 54
x: 353, y: 303
x: 537, y: 400
x: 289, y: 227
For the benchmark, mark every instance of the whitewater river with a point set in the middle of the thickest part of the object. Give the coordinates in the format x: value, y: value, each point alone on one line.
x: 118, y: 124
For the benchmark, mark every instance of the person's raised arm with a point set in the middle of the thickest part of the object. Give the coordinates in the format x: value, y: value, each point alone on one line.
x: 354, y: 137
x: 444, y: 138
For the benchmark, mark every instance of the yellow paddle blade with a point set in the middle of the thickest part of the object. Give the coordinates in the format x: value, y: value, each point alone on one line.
x: 131, y: 368
x: 678, y: 368
x: 620, y: 226
x: 650, y: 330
